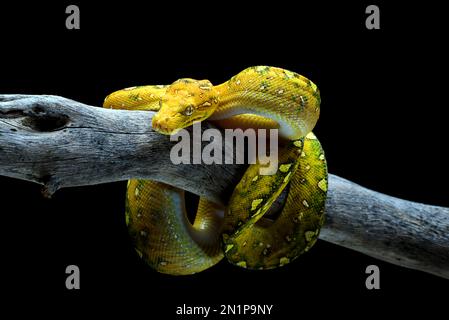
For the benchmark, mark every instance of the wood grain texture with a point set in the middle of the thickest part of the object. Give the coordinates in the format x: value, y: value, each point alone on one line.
x: 60, y: 143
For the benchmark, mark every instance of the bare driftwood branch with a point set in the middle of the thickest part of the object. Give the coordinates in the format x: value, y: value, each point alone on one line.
x: 59, y: 143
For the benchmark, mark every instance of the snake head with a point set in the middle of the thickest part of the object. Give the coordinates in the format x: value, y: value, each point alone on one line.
x: 185, y: 102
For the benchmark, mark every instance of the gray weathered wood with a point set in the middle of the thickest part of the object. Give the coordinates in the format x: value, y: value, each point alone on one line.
x: 59, y: 143
x: 402, y: 232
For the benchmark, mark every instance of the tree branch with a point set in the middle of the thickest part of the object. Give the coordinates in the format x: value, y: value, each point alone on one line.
x: 60, y: 143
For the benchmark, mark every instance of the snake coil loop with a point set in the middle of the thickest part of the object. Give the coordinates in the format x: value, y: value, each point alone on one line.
x: 258, y: 97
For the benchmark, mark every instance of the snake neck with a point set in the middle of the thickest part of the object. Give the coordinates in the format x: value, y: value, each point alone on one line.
x: 293, y: 104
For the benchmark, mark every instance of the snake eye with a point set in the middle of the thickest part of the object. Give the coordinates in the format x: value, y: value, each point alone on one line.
x: 188, y: 111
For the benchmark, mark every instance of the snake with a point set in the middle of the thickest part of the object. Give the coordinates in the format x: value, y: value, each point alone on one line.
x: 242, y: 231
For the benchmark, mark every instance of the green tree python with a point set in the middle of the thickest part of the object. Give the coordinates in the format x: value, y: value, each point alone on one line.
x: 258, y: 97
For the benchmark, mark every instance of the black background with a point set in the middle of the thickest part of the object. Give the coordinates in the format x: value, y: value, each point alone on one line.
x: 383, y: 125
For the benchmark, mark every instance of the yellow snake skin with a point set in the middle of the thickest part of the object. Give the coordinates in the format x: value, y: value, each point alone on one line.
x: 257, y: 97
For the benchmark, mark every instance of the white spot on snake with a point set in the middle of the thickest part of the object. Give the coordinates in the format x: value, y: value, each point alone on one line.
x: 289, y: 74
x: 255, y: 179
x: 298, y: 143
x: 304, y: 202
x: 262, y: 87
x: 163, y: 263
x: 307, y: 168
x: 255, y: 203
x: 152, y: 96
x: 206, y: 104
x: 229, y: 247
x: 323, y: 185
x: 260, y: 244
x: 244, y: 244
x: 313, y: 85
x: 303, y: 154
x: 130, y: 88
x: 143, y: 233
x: 268, y: 245
x: 285, y: 167
x: 311, y: 136
x: 160, y: 86
x: 288, y: 239
x: 241, y: 264
x: 204, y: 87
x: 281, y: 91
x: 139, y: 215
x: 309, y: 235
x: 321, y: 157
x: 303, y: 102
x: 237, y: 82
x: 136, y: 192
x: 283, y: 261
x: 123, y: 104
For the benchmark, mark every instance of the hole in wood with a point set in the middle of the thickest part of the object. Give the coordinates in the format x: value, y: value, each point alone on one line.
x: 46, y: 123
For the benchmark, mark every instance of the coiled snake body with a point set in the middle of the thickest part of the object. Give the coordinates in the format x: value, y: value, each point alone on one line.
x: 258, y: 97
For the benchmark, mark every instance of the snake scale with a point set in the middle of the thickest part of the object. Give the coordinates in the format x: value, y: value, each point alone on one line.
x: 257, y: 97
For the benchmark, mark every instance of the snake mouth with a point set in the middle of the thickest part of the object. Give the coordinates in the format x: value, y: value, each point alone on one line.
x: 160, y: 128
